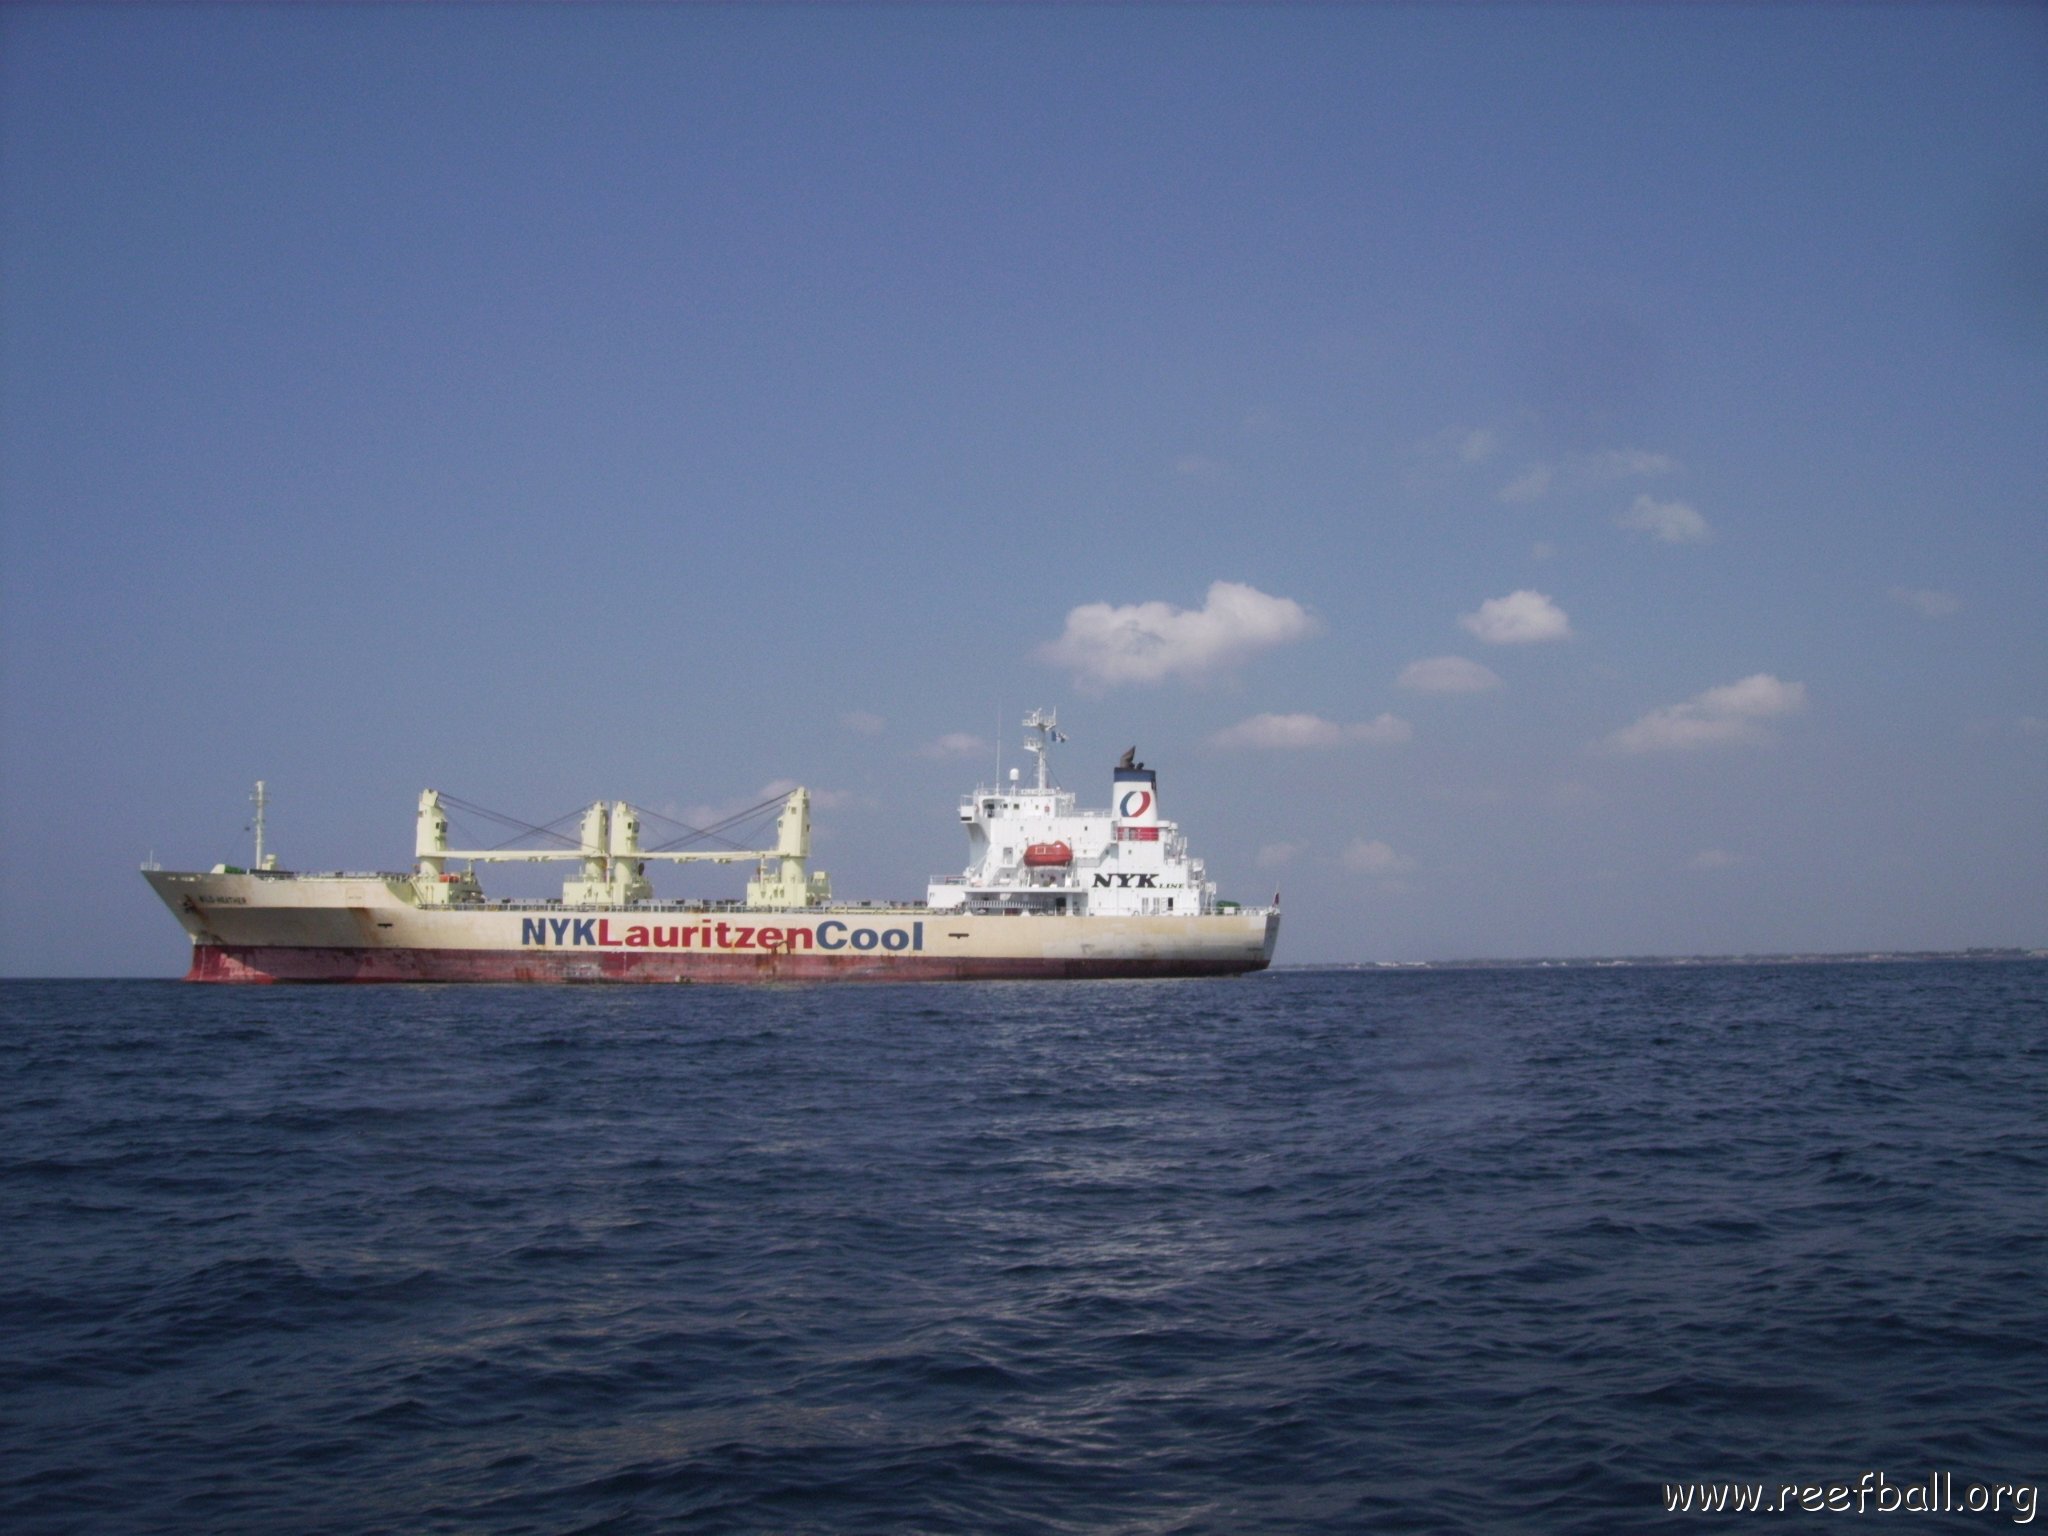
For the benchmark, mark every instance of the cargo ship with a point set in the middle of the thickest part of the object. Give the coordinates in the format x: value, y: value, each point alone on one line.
x: 1049, y: 890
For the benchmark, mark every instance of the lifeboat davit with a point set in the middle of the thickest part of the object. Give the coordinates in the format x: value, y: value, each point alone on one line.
x: 1046, y: 855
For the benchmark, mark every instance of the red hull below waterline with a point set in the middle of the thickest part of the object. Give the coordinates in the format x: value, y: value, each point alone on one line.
x: 260, y: 965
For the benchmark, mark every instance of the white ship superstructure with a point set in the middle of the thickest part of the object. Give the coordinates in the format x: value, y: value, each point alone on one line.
x: 1049, y: 890
x: 1031, y: 850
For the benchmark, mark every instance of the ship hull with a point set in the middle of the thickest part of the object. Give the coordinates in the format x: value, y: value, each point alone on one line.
x: 260, y: 928
x: 256, y: 964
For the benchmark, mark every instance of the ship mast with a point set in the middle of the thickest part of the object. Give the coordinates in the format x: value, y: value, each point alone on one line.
x: 1046, y: 724
x: 261, y: 800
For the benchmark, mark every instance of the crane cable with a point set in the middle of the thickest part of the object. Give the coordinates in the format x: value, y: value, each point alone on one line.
x: 548, y: 833
x: 713, y: 832
x: 522, y: 828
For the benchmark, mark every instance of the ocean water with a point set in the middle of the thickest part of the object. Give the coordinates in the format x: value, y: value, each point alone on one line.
x: 1303, y: 1252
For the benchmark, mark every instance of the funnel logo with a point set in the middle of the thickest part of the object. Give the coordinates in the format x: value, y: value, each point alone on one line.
x: 1134, y: 804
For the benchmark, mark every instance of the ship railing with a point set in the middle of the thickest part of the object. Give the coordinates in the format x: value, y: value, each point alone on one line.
x: 556, y: 904
x: 330, y: 874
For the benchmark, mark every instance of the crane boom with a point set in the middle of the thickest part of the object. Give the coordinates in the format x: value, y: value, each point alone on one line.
x: 615, y: 865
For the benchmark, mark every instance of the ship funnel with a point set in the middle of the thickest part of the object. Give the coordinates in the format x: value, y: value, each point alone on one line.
x: 1135, y: 800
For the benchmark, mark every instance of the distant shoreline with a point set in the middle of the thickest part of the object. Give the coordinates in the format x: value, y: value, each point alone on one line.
x: 1671, y: 962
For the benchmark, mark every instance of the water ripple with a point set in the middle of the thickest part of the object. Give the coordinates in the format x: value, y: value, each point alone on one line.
x: 1449, y: 1251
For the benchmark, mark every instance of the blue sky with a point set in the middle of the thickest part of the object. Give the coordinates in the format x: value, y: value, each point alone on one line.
x: 1547, y: 480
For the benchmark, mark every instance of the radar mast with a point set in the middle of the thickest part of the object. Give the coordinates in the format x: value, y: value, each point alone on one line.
x: 1047, y: 725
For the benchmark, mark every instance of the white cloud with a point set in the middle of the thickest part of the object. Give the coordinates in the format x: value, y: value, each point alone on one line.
x: 1532, y: 484
x: 861, y: 723
x: 1293, y: 732
x: 1198, y: 466
x: 1624, y: 463
x: 1520, y: 618
x: 1928, y: 602
x: 1467, y: 445
x: 1447, y: 674
x: 1443, y: 461
x: 1726, y: 716
x: 956, y: 744
x: 1274, y: 855
x: 1375, y: 858
x: 1478, y: 445
x: 1150, y: 642
x: 1759, y: 695
x: 1583, y: 469
x: 1674, y: 522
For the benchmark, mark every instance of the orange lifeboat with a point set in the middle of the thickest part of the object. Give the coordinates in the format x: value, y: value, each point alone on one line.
x: 1046, y: 855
